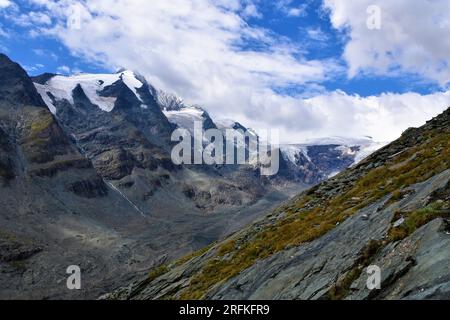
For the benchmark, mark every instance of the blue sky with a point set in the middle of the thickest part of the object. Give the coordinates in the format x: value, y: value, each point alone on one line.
x: 250, y: 58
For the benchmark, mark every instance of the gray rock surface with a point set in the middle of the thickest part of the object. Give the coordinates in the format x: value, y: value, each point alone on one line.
x: 309, y: 272
x: 414, y: 268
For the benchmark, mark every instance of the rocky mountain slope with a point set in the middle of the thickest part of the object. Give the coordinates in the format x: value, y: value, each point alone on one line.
x: 86, y: 179
x: 392, y: 210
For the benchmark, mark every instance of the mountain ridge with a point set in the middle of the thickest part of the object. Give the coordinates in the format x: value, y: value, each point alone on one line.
x: 181, y: 115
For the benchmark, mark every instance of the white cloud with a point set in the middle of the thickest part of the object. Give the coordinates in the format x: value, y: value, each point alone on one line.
x: 3, y: 49
x: 190, y: 47
x: 34, y: 69
x: 287, y: 8
x: 382, y: 117
x: 296, y: 12
x: 413, y: 37
x: 31, y: 19
x: 195, y: 48
x: 5, y: 3
x: 64, y: 70
x: 317, y: 34
x: 251, y: 10
x: 3, y: 33
x: 45, y: 54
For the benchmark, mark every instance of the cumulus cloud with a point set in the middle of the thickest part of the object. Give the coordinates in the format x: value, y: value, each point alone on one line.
x: 4, y: 3
x: 413, y: 37
x: 204, y: 51
x: 31, y: 18
x: 251, y: 10
x: 336, y: 113
x: 199, y: 49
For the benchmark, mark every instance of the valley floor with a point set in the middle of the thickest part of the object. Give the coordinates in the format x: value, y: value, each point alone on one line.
x: 111, y: 248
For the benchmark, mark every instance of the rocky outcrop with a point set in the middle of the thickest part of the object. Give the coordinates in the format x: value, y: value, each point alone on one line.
x: 14, y: 250
x: 43, y: 78
x: 6, y: 161
x: 93, y: 188
x: 15, y: 85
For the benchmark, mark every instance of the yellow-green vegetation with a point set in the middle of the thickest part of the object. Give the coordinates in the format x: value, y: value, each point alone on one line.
x: 309, y: 218
x: 157, y: 272
x: 398, y: 195
x: 38, y: 140
x: 43, y: 121
x: 412, y: 221
x: 193, y: 255
x: 18, y: 265
x: 415, y: 219
x: 7, y: 236
x: 341, y: 289
x: 164, y: 268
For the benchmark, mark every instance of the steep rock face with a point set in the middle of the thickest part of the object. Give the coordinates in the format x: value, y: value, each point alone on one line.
x: 121, y: 141
x: 141, y: 109
x: 28, y: 129
x: 6, y: 159
x: 414, y: 268
x: 299, y: 167
x: 15, y: 86
x: 391, y: 211
x: 331, y: 159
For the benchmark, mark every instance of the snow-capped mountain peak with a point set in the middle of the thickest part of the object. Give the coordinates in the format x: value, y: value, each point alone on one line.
x: 315, y: 159
x: 332, y: 154
x: 62, y: 87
